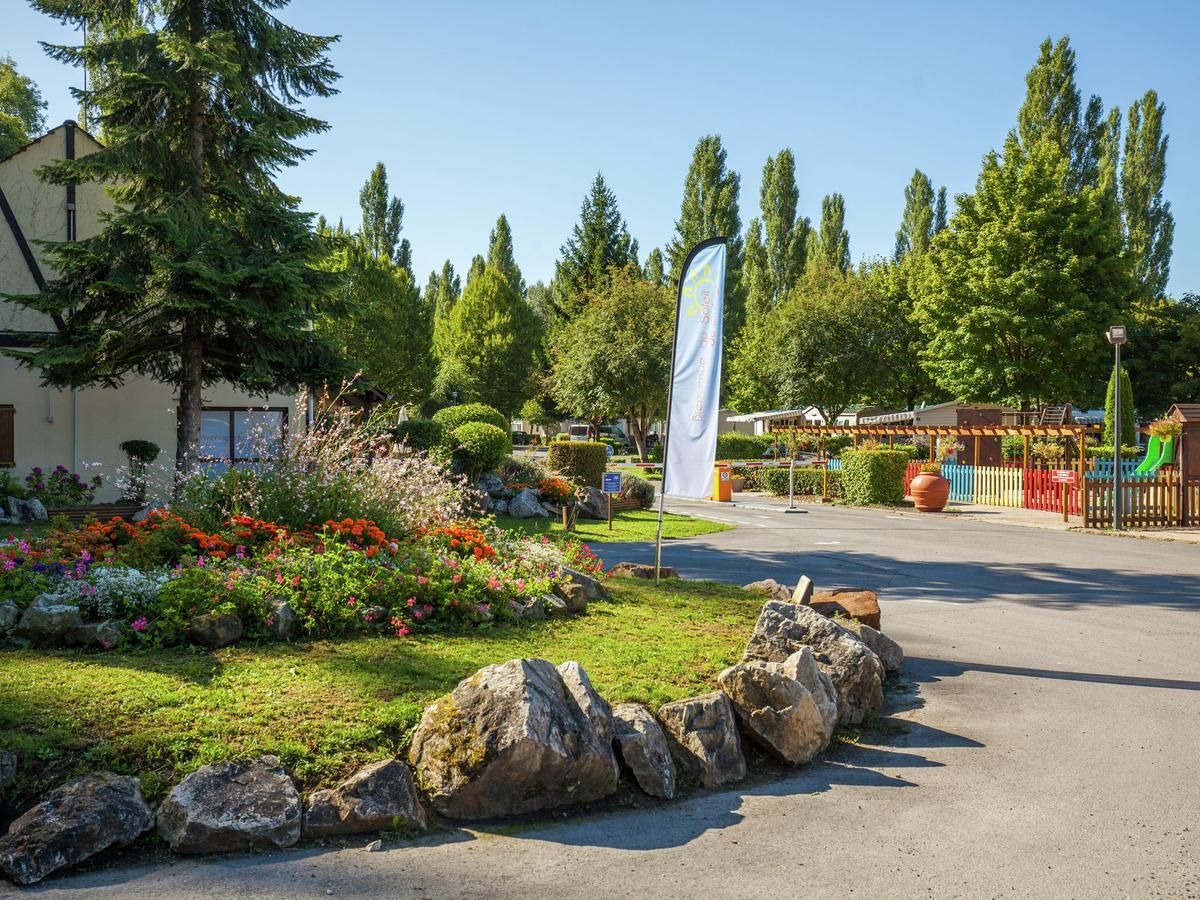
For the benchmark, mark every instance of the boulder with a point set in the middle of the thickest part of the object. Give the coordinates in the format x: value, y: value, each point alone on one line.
x: 10, y: 615
x: 500, y: 507
x: 639, y: 570
x: 492, y: 485
x: 593, y: 589
x: 514, y: 738
x: 526, y: 505
x: 232, y: 806
x: 21, y: 510
x: 643, y: 748
x: 856, y: 672
x: 889, y: 652
x: 553, y: 605
x: 804, y: 590
x: 770, y: 588
x: 860, y: 605
x: 78, y: 820
x: 532, y: 609
x: 552, y: 509
x: 94, y: 634
x: 779, y: 712
x: 215, y: 630
x: 46, y: 621
x: 802, y: 666
x: 282, y: 621
x: 592, y: 503
x: 378, y: 797
x: 703, y: 736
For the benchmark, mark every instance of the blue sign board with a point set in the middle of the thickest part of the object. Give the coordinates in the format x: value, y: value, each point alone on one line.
x: 612, y: 482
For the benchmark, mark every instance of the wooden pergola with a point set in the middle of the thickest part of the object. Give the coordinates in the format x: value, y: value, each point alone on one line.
x: 891, y: 432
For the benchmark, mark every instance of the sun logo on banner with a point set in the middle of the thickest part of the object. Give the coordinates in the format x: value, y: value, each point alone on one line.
x: 699, y: 300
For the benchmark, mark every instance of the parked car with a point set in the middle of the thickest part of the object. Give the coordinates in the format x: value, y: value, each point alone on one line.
x: 579, y: 433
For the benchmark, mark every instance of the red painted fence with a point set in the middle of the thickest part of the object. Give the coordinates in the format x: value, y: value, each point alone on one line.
x: 1042, y: 493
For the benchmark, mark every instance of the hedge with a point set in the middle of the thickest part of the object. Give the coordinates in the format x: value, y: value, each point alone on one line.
x: 452, y: 417
x: 732, y: 445
x: 808, y: 483
x: 480, y: 447
x: 581, y: 462
x: 419, y: 434
x: 634, y: 487
x: 874, y: 476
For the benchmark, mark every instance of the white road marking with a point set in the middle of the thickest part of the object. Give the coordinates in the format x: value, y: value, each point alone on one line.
x: 826, y: 543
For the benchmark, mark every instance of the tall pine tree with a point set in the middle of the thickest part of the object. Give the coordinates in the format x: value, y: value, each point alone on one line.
x: 599, y: 241
x: 710, y: 209
x: 500, y: 255
x: 653, y: 270
x: 478, y: 264
x: 442, y: 291
x: 1149, y: 225
x: 205, y: 269
x: 382, y: 217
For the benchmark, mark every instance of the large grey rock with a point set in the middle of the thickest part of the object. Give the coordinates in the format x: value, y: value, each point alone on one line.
x: 889, y: 652
x: 492, y: 485
x: 78, y: 820
x: 514, y: 738
x: 640, y: 570
x: 643, y: 748
x: 283, y: 621
x: 703, y: 736
x: 500, y: 507
x: 94, y: 634
x: 231, y: 806
x: 531, y: 609
x: 10, y: 615
x: 771, y: 589
x: 46, y: 621
x: 21, y: 510
x: 778, y: 712
x: 593, y: 589
x: 215, y: 630
x: 378, y: 797
x: 802, y: 666
x: 592, y: 503
x: 526, y: 505
x: 857, y: 673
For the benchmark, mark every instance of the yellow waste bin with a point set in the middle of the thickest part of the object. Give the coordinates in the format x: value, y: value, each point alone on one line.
x: 722, y: 483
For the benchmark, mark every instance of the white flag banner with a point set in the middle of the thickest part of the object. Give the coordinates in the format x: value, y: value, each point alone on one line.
x: 695, y: 386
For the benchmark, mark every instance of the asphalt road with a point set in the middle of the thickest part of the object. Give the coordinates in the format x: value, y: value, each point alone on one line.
x: 1051, y: 745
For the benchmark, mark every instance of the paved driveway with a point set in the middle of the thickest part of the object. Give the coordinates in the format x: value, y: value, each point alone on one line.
x: 1053, y: 751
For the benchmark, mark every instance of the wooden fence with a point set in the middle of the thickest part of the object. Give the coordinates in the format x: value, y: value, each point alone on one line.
x: 1042, y: 493
x: 1145, y: 502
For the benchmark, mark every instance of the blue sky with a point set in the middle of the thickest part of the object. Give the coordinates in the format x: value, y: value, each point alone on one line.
x: 483, y: 108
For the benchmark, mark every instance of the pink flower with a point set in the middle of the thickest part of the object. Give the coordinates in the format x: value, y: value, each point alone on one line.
x: 412, y: 601
x: 494, y: 583
x: 140, y: 624
x: 421, y: 579
x: 350, y: 601
x: 456, y: 578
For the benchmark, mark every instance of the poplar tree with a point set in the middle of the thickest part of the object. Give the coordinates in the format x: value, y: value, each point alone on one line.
x: 599, y: 241
x: 710, y: 209
x: 774, y: 251
x: 382, y: 217
x: 917, y: 221
x: 442, y: 290
x: 832, y: 244
x: 21, y: 108
x: 940, y: 213
x: 1149, y: 225
x: 205, y: 270
x: 500, y: 255
x: 653, y: 270
x: 478, y: 264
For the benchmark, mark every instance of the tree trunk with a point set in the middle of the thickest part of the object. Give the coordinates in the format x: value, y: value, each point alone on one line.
x: 639, y: 426
x: 191, y: 399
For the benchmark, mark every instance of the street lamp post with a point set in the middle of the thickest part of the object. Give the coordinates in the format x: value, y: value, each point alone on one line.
x: 1116, y: 337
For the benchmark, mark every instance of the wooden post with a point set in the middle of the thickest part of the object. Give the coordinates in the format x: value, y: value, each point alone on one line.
x: 1025, y: 456
x: 1064, y: 500
x: 975, y: 444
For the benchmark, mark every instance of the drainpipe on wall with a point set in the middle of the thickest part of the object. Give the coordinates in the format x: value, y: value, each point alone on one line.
x: 69, y: 136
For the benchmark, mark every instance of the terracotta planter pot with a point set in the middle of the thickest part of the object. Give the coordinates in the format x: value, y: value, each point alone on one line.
x: 930, y: 492
x: 739, y: 484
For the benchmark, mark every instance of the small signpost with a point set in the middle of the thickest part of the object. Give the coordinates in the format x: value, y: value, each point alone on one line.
x: 1068, y: 478
x: 611, y: 485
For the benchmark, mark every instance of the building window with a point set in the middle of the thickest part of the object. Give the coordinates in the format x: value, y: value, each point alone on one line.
x: 8, y: 457
x: 240, y: 437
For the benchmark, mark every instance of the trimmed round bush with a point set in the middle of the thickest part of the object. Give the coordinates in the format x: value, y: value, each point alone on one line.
x: 480, y: 447
x: 809, y: 481
x: 874, y: 476
x: 452, y: 417
x: 732, y: 445
x: 419, y: 434
x: 581, y: 462
x: 634, y: 487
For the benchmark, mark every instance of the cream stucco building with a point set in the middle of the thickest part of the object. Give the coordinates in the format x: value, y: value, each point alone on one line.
x: 81, y: 430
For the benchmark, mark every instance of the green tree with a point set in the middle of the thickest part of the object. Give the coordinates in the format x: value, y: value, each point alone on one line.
x: 1149, y: 225
x: 710, y: 209
x: 750, y: 382
x: 774, y: 254
x: 1128, y: 419
x: 832, y: 244
x: 478, y: 264
x: 540, y: 297
x: 382, y: 217
x: 757, y: 286
x: 21, y: 108
x: 940, y: 212
x: 901, y: 338
x: 382, y: 326
x: 500, y: 255
x: 205, y: 270
x: 614, y: 357
x: 490, y: 340
x: 599, y: 242
x: 1163, y: 353
x: 653, y: 270
x: 1023, y: 284
x: 918, y: 220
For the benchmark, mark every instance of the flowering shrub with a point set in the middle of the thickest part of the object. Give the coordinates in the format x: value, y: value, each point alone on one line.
x: 24, y: 570
x: 110, y: 592
x: 61, y: 487
x: 557, y: 490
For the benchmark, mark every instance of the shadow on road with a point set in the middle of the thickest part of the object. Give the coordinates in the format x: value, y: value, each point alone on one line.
x: 926, y: 670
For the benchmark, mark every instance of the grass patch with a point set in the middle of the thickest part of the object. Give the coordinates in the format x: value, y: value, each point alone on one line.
x: 629, y: 525
x: 326, y: 707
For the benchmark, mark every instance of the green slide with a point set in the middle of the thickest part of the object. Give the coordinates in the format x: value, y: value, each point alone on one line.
x: 1158, y: 454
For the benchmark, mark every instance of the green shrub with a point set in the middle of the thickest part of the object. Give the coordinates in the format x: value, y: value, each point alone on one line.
x: 419, y: 434
x: 836, y: 444
x: 1128, y: 451
x: 809, y: 481
x: 582, y: 462
x: 874, y: 476
x: 519, y: 470
x: 480, y: 447
x: 634, y: 487
x: 452, y: 417
x: 732, y: 445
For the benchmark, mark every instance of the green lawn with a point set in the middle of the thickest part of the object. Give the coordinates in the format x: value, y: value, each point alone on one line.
x: 648, y: 474
x: 630, y: 525
x: 326, y: 707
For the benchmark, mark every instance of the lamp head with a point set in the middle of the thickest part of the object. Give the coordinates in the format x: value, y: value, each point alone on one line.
x: 1116, y: 335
